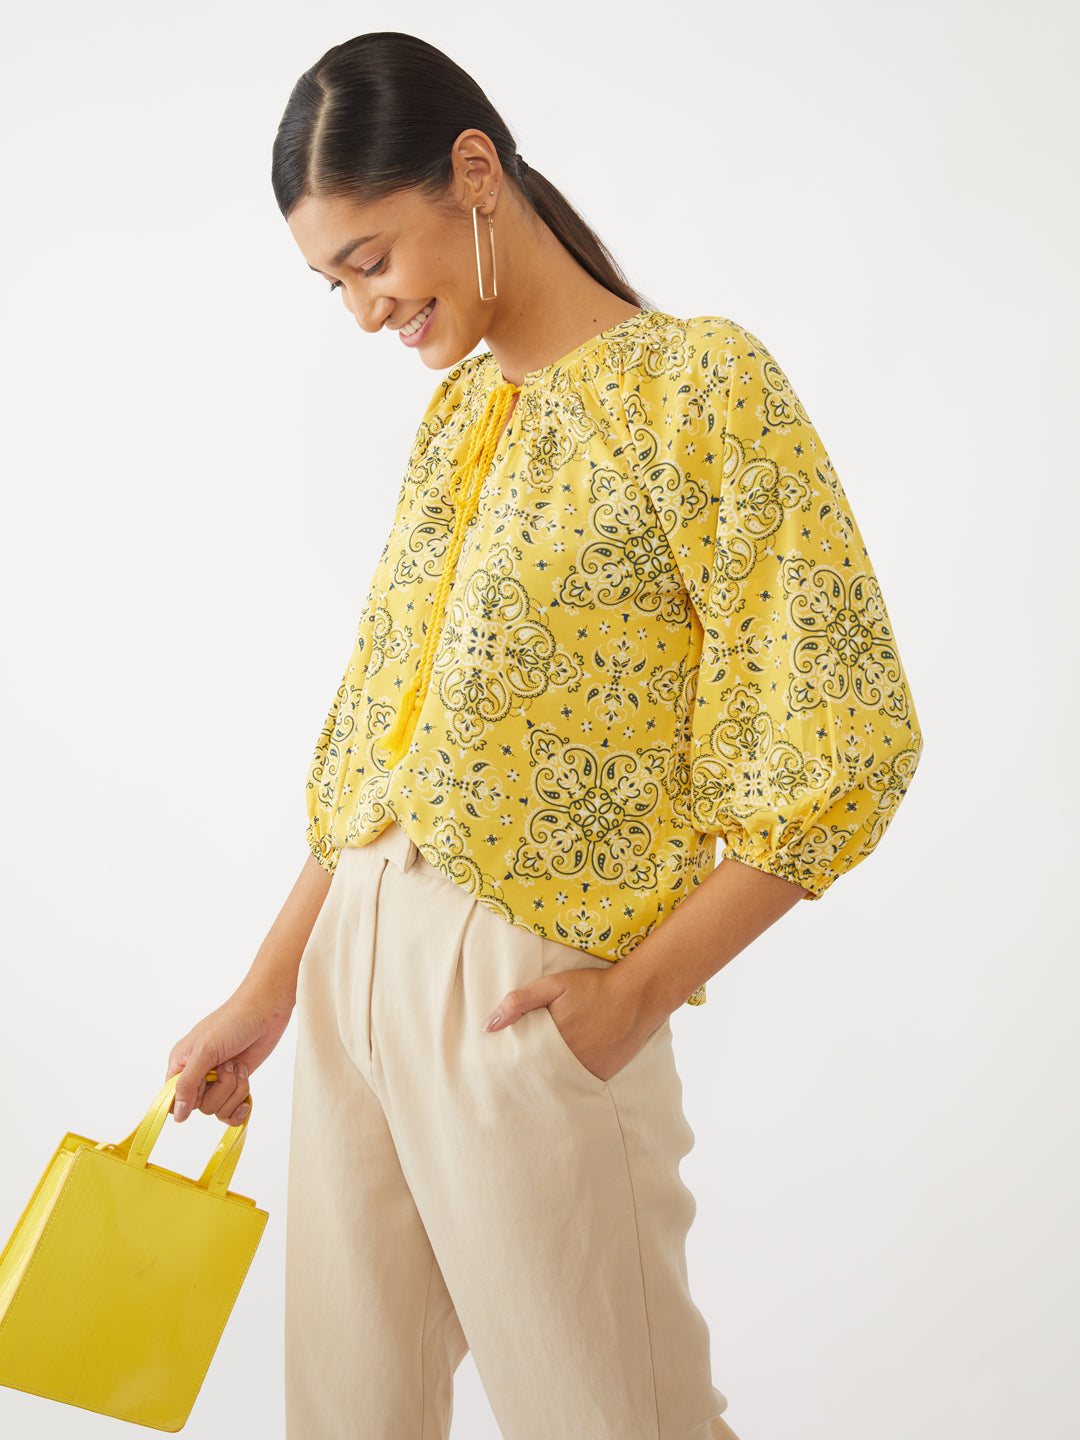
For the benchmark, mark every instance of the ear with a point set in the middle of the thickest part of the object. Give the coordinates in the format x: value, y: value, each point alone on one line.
x: 477, y: 171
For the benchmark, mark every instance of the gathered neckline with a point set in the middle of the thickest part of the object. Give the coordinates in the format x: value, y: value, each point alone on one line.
x: 613, y: 332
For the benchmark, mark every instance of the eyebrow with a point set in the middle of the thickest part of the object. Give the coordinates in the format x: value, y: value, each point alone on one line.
x: 345, y: 251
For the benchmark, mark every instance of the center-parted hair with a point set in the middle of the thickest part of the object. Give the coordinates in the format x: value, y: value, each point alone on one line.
x: 380, y: 113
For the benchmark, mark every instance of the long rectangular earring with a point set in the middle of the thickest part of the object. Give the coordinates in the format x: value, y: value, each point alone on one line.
x: 479, y: 273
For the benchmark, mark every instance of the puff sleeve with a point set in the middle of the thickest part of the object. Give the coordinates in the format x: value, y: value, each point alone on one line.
x: 803, y: 735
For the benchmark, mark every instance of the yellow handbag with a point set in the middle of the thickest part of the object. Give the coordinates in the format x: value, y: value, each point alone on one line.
x: 120, y: 1275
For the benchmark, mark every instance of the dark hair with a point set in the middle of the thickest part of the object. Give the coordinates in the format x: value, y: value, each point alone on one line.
x: 381, y: 112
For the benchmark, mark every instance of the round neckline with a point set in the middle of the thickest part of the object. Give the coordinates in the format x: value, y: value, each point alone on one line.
x: 578, y: 351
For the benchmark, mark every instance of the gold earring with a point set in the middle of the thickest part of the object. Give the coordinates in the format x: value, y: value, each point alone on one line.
x: 479, y: 273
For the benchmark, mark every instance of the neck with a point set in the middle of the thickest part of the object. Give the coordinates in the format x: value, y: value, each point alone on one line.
x: 548, y: 304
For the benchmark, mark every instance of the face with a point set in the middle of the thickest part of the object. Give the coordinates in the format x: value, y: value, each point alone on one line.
x: 405, y: 263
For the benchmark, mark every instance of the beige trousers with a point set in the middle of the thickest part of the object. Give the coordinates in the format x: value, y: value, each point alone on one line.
x: 452, y: 1189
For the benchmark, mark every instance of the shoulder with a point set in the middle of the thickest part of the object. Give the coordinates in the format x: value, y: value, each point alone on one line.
x: 709, y: 368
x: 703, y: 349
x: 679, y: 373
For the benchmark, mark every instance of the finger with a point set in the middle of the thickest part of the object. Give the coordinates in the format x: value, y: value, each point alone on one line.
x: 191, y: 1086
x: 223, y: 1093
x: 239, y: 1115
x: 234, y: 1110
x: 517, y: 1002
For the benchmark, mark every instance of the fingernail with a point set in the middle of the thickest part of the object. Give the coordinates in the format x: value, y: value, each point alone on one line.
x: 492, y: 1020
x: 241, y: 1115
x: 180, y: 1110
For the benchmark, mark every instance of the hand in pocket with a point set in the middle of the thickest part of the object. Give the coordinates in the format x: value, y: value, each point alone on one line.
x: 593, y: 1013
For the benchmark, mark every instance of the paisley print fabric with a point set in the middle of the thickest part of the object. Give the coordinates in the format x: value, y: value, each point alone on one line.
x: 664, y: 630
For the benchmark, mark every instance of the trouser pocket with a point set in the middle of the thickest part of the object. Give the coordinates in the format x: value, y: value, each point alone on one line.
x: 555, y: 957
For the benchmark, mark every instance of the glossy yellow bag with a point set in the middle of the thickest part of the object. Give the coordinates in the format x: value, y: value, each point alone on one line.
x: 120, y: 1275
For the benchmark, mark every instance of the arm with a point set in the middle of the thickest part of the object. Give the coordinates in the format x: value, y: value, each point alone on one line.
x: 605, y: 1016
x: 729, y: 909
x: 802, y: 732
x: 277, y: 962
x: 238, y: 1036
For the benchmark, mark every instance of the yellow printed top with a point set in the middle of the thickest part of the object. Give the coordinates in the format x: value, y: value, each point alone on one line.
x: 639, y: 618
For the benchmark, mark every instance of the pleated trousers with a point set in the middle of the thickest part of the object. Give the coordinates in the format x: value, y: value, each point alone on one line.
x: 452, y: 1189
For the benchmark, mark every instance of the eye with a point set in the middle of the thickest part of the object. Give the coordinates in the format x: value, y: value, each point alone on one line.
x: 376, y: 268
x: 335, y: 285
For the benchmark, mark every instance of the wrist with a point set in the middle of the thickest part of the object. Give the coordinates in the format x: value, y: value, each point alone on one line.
x: 639, y: 995
x: 272, y: 982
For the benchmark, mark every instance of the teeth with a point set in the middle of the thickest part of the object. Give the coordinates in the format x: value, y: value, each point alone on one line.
x: 417, y: 321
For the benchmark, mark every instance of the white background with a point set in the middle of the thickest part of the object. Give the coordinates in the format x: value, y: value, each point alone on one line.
x: 202, y: 453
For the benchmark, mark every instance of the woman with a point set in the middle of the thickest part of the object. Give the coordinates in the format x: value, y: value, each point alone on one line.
x: 623, y: 610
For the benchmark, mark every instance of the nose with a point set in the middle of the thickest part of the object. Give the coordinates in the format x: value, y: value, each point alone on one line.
x: 370, y: 312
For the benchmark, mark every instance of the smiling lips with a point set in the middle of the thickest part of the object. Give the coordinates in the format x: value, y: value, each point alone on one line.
x: 417, y: 323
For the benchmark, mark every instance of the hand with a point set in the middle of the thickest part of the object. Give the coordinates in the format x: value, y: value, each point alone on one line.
x: 235, y: 1039
x: 596, y: 1015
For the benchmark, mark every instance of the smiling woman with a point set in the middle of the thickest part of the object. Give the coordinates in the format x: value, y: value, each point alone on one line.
x: 624, y: 611
x: 385, y: 158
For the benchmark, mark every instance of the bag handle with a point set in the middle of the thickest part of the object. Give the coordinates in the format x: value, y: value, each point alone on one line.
x: 222, y: 1164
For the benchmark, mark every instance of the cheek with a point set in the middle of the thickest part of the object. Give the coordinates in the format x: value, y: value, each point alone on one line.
x: 451, y: 273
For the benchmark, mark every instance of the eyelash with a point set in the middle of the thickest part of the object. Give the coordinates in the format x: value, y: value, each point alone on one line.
x: 336, y: 284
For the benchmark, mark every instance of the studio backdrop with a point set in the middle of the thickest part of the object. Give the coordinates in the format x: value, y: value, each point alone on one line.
x: 201, y: 456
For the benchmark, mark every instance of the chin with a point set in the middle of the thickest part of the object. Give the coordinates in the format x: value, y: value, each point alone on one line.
x: 437, y: 357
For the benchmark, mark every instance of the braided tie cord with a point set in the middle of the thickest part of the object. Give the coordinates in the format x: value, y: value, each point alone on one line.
x: 465, y: 494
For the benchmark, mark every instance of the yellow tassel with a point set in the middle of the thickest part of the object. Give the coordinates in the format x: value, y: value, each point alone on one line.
x: 396, y: 741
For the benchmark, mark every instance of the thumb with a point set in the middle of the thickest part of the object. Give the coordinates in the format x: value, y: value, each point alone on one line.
x: 190, y: 1087
x: 515, y: 1003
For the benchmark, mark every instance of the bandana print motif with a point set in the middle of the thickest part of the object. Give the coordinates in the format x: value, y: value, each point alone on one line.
x: 664, y: 629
